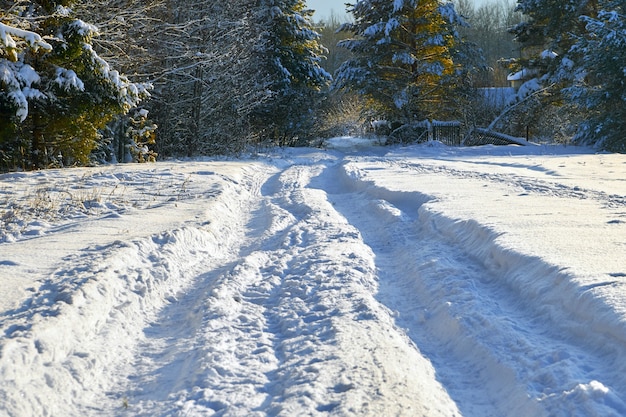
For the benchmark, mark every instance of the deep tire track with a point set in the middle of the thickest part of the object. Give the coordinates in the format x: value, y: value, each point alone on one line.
x: 476, y: 331
x: 289, y: 326
x: 340, y: 299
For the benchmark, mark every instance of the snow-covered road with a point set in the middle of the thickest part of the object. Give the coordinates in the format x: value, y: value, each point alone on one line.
x: 421, y: 281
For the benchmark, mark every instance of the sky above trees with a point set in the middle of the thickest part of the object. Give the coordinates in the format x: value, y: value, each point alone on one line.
x: 324, y: 8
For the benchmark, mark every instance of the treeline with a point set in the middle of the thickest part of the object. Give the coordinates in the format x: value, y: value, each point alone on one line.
x: 570, y: 59
x: 208, y: 77
x: 489, y: 27
x: 212, y: 77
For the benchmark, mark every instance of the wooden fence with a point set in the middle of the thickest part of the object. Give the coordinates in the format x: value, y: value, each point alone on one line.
x: 448, y: 133
x: 479, y: 136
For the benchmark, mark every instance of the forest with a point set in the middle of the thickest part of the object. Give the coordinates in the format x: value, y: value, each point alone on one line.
x: 87, y: 82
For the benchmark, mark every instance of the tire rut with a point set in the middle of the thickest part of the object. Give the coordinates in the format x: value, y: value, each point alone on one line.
x: 494, y: 354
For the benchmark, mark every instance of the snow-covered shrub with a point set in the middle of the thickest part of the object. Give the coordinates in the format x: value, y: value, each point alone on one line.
x: 341, y: 115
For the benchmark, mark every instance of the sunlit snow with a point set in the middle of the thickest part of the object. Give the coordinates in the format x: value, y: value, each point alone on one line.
x: 355, y: 280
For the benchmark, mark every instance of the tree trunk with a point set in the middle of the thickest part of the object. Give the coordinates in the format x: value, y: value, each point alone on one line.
x: 38, y: 143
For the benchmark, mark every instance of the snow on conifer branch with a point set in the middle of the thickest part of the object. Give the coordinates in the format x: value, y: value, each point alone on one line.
x: 32, y: 39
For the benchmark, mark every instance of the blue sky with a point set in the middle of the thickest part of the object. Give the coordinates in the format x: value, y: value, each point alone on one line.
x: 323, y: 8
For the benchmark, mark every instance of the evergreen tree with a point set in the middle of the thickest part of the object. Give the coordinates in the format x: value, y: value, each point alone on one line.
x: 576, y: 50
x: 547, y: 35
x: 599, y: 89
x: 404, y: 54
x: 552, y: 24
x: 71, y: 93
x: 126, y: 31
x: 290, y: 54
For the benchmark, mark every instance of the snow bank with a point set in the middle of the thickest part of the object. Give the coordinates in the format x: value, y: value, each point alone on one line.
x: 559, y: 281
x: 84, y: 321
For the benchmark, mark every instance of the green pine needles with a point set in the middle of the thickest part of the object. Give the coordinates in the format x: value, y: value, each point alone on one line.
x: 56, y: 92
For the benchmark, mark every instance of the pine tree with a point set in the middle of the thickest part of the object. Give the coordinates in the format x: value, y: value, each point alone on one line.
x: 553, y: 24
x: 404, y: 57
x: 290, y: 55
x: 548, y: 33
x: 576, y: 48
x: 127, y: 28
x: 71, y: 93
x: 599, y: 89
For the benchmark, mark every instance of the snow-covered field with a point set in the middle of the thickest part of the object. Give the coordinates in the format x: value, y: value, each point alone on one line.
x: 352, y: 281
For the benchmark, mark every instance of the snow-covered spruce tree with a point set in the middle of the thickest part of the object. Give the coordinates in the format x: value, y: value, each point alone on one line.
x: 70, y: 91
x: 223, y: 79
x: 599, y: 88
x: 127, y: 29
x: 551, y: 24
x: 547, y: 35
x: 289, y: 54
x: 17, y: 82
x: 403, y: 57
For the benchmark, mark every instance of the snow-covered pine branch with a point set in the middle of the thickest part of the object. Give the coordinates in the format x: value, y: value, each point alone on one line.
x: 12, y: 47
x: 17, y: 78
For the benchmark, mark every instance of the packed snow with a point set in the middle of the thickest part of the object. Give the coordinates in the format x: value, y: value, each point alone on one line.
x: 352, y: 280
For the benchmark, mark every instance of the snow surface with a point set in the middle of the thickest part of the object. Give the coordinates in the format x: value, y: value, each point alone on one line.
x: 356, y: 280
